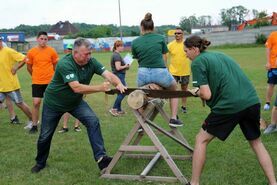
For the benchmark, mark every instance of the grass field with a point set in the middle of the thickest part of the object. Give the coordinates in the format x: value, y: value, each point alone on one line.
x: 70, y: 161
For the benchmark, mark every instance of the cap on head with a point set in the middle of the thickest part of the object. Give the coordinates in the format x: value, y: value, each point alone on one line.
x: 69, y: 46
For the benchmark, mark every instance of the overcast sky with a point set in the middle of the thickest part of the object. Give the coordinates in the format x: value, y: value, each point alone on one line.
x: 36, y: 12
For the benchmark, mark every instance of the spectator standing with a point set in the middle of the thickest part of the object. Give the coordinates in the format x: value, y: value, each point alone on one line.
x: 179, y: 65
x: 10, y: 62
x: 41, y: 64
x: 119, y: 69
x: 271, y: 67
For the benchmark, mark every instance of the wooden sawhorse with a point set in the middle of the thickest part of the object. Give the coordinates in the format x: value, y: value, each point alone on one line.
x: 145, y: 123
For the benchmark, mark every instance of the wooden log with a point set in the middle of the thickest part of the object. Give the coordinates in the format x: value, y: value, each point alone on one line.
x: 138, y: 98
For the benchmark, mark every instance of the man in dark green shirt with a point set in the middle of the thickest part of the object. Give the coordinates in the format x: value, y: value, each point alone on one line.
x: 64, y: 94
x: 232, y: 99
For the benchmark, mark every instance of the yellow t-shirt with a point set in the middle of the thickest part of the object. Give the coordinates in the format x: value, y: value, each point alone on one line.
x: 8, y: 58
x: 179, y: 63
x: 271, y: 43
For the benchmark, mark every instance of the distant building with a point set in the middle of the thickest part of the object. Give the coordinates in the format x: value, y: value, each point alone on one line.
x: 209, y: 29
x: 15, y: 40
x: 13, y: 36
x: 63, y: 28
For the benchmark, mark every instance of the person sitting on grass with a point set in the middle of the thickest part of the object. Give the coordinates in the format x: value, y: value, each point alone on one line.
x: 232, y: 100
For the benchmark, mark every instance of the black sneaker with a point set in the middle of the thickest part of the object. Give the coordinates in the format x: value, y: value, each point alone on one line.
x: 37, y: 168
x: 184, y: 109
x: 15, y: 120
x: 77, y: 129
x: 63, y: 130
x: 104, y: 163
x: 175, y: 123
x: 33, y: 130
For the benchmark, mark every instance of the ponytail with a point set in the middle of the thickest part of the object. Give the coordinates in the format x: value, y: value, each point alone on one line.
x: 196, y: 41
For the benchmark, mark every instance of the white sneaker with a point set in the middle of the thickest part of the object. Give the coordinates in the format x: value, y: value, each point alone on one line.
x: 3, y: 106
x: 29, y: 125
x: 266, y: 107
x: 270, y: 129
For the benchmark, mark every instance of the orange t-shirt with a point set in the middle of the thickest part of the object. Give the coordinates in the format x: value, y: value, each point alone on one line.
x: 271, y: 44
x: 42, y: 61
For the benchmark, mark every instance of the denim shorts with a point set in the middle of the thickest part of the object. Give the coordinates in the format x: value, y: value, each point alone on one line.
x: 159, y: 76
x: 14, y: 95
x: 272, y: 76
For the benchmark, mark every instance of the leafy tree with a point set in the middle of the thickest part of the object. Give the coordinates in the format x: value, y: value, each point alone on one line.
x: 262, y: 14
x: 164, y: 29
x: 205, y: 20
x: 187, y: 23
x: 28, y: 30
x: 233, y: 16
x: 88, y: 30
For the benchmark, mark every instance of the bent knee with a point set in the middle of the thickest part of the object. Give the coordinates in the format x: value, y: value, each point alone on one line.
x: 203, y: 137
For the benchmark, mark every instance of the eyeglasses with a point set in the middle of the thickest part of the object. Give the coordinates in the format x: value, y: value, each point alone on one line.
x: 178, y: 33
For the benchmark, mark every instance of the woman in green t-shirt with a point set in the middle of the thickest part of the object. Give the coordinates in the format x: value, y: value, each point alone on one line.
x: 232, y: 99
x: 150, y: 50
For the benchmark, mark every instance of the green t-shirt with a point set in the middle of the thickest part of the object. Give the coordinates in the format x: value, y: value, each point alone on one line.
x: 149, y: 49
x: 58, y: 95
x: 231, y: 89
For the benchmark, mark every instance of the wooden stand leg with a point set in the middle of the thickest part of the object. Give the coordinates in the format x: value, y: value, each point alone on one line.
x: 145, y: 121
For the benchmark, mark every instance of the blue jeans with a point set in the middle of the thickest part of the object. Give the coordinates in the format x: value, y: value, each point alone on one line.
x: 159, y: 76
x: 50, y: 120
x: 119, y: 98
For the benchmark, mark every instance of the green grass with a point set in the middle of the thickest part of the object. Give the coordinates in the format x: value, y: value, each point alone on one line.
x: 70, y: 161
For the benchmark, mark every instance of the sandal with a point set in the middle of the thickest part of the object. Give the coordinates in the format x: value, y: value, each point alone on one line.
x: 113, y: 112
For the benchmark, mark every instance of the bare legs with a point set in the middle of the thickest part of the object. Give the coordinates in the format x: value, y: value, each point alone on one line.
x: 66, y: 117
x: 199, y: 156
x: 274, y: 115
x: 264, y: 160
x: 35, y: 111
x: 269, y: 92
x: 184, y: 100
x: 26, y: 109
x: 173, y: 102
x: 10, y: 107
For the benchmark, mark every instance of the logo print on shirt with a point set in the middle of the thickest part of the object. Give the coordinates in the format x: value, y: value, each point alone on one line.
x: 69, y: 76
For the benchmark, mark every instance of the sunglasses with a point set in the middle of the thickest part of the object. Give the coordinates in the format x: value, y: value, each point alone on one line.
x: 178, y: 33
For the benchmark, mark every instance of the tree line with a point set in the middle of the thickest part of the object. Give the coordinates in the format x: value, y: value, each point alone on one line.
x: 89, y: 30
x: 229, y: 17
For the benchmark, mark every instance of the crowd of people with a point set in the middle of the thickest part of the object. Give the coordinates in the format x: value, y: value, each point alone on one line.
x: 60, y: 85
